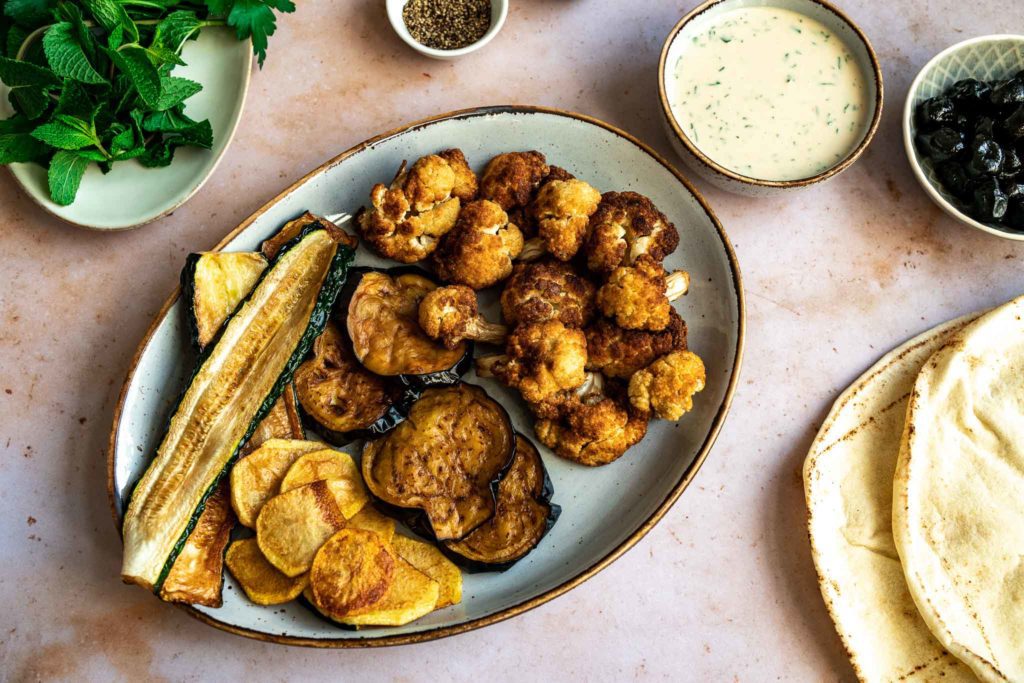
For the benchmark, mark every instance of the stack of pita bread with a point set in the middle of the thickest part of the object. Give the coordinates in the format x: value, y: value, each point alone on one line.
x: 915, y: 495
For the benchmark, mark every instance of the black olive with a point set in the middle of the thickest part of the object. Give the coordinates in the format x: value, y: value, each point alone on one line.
x: 934, y: 112
x: 942, y: 144
x: 1013, y: 190
x: 1014, y: 217
x: 990, y: 202
x: 985, y: 128
x: 953, y: 177
x: 1011, y: 164
x: 986, y: 158
x: 969, y: 93
x: 1013, y: 126
x: 1007, y: 93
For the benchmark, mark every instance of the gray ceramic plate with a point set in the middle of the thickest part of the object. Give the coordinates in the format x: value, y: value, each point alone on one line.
x: 604, y: 510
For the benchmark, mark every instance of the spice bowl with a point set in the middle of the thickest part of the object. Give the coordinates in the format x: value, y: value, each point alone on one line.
x: 499, y: 11
x: 985, y: 58
x: 696, y: 30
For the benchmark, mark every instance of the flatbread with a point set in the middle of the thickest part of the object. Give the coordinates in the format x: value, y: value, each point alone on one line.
x: 958, y: 505
x: 848, y: 484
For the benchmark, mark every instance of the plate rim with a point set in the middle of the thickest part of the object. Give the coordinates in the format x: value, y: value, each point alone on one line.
x: 528, y: 604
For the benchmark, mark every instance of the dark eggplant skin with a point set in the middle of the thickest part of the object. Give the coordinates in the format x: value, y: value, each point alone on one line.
x: 415, y: 518
x: 447, y: 377
x: 554, y: 511
x: 394, y: 416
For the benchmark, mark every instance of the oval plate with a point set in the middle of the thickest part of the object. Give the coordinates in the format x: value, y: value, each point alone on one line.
x: 130, y: 195
x: 604, y: 510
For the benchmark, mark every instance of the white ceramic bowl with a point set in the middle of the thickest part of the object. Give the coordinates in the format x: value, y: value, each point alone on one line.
x: 729, y: 180
x: 499, y: 10
x: 986, y: 58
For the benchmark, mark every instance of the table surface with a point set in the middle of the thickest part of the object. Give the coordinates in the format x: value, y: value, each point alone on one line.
x: 722, y: 589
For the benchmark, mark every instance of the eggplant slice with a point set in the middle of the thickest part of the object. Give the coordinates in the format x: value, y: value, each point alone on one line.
x: 343, y: 400
x: 382, y: 320
x: 445, y: 460
x: 523, y: 515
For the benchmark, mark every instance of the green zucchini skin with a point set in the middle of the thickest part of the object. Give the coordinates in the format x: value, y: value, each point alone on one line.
x: 333, y: 282
x: 188, y: 295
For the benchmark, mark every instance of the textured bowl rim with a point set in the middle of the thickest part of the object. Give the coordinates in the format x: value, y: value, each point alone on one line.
x: 915, y: 159
x: 526, y: 605
x: 499, y: 12
x: 717, y: 168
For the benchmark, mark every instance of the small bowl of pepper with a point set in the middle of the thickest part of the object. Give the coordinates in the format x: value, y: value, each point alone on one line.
x: 447, y: 29
x: 963, y: 129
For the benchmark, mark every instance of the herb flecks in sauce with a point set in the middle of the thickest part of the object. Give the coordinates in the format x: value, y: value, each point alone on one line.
x: 789, y: 101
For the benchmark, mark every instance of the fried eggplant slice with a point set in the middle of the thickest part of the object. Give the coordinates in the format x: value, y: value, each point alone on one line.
x: 325, y: 465
x: 262, y: 582
x: 382, y: 320
x: 523, y: 515
x: 444, y: 460
x: 351, y: 573
x: 256, y: 478
x: 426, y: 558
x: 291, y: 527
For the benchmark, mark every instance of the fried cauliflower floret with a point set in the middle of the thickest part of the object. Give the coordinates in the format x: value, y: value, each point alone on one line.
x: 450, y: 315
x: 405, y: 221
x: 478, y: 252
x: 540, y: 361
x: 626, y: 225
x: 561, y: 212
x: 639, y: 297
x: 595, y: 430
x: 510, y: 179
x: 547, y: 290
x: 616, y: 352
x: 666, y: 387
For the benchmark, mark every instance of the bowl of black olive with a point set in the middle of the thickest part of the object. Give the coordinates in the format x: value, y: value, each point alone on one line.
x: 963, y: 127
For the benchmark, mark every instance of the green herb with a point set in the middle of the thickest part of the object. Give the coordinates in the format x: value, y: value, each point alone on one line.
x: 91, y: 80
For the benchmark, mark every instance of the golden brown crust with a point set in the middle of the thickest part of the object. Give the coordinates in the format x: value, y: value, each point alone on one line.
x: 478, y: 252
x: 561, y: 211
x: 448, y: 313
x: 547, y: 290
x: 616, y: 352
x: 625, y: 225
x: 667, y: 385
x: 543, y: 360
x: 635, y: 296
x: 594, y: 431
x: 510, y: 179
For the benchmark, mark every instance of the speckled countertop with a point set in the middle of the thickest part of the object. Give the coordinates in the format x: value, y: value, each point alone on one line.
x: 722, y: 589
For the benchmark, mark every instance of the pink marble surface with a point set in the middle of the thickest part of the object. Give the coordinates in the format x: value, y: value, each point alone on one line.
x: 722, y: 589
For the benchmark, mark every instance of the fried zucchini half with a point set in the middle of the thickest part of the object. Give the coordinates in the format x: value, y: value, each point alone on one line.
x: 197, y: 574
x: 323, y: 465
x: 344, y: 400
x: 238, y: 378
x: 293, y: 526
x: 523, y: 514
x: 445, y: 460
x: 212, y: 284
x: 381, y: 313
x: 426, y: 558
x: 351, y: 572
x: 262, y: 582
x: 256, y: 478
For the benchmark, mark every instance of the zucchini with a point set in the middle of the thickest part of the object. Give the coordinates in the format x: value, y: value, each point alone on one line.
x: 197, y: 574
x: 239, y: 376
x: 212, y: 284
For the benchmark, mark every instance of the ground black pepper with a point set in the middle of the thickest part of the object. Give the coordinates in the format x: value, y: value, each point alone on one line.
x: 447, y: 24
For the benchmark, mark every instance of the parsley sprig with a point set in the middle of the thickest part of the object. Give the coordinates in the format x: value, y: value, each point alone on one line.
x: 91, y: 81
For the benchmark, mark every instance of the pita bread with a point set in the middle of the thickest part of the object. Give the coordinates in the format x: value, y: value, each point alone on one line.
x: 958, y: 505
x: 848, y: 483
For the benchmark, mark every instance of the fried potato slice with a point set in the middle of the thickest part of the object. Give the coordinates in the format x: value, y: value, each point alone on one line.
x: 412, y: 594
x: 371, y: 519
x: 293, y: 526
x: 426, y: 558
x: 326, y: 465
x: 351, y: 573
x: 261, y: 581
x: 256, y: 478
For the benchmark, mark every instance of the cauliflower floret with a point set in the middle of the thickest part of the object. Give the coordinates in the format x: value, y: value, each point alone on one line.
x: 540, y: 360
x: 479, y: 251
x: 406, y: 220
x: 510, y: 179
x: 561, y: 212
x: 547, y: 290
x: 667, y: 385
x: 450, y: 315
x: 638, y: 297
x: 616, y: 352
x: 594, y: 430
x: 626, y: 225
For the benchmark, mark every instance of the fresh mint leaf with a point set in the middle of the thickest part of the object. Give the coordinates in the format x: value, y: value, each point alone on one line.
x: 159, y: 155
x: 122, y: 142
x: 219, y: 8
x: 111, y: 14
x: 170, y: 121
x: 73, y: 15
x: 199, y: 135
x: 65, y: 176
x: 134, y: 62
x: 174, y: 91
x: 66, y: 56
x: 17, y: 143
x: 66, y: 132
x: 32, y: 102
x: 16, y: 35
x: 28, y: 12
x: 172, y: 32
x: 17, y: 74
x: 163, y: 58
x: 75, y: 101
